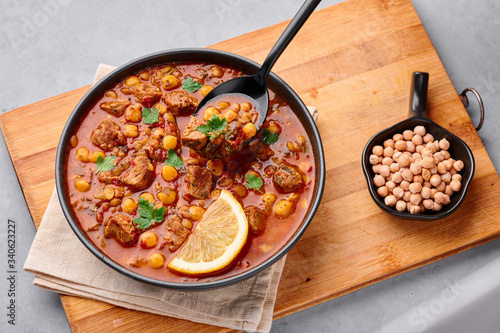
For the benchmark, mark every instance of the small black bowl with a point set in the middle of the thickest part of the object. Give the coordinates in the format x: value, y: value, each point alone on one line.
x: 458, y: 150
x: 187, y: 55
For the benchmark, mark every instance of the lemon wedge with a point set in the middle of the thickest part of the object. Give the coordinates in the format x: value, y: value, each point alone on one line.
x: 216, y: 241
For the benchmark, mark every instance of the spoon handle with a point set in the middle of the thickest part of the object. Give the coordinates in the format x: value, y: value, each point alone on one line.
x: 286, y: 37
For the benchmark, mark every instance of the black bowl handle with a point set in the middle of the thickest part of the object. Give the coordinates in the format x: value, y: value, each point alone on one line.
x: 418, y: 94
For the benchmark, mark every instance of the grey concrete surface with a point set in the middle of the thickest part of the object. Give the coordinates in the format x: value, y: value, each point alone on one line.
x: 53, y: 46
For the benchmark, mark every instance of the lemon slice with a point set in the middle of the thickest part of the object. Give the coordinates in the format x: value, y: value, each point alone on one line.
x: 216, y: 241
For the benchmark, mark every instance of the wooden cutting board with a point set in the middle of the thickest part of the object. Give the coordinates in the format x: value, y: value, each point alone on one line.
x: 354, y: 62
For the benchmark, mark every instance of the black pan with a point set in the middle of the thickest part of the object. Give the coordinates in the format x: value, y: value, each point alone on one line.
x: 458, y: 150
x: 187, y: 55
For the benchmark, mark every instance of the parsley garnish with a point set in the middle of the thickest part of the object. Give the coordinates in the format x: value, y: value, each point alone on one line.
x: 268, y: 137
x: 254, y: 182
x: 173, y: 159
x: 191, y: 85
x: 148, y: 214
x: 105, y: 164
x: 214, y: 127
x: 150, y: 116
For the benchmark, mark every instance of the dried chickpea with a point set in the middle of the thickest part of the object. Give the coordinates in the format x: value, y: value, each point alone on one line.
x: 446, y: 154
x: 82, y: 154
x: 457, y: 177
x: 405, y: 185
x: 378, y: 150
x: 390, y: 185
x: 376, y: 168
x: 398, y: 192
x: 170, y: 82
x: 420, y: 130
x: 169, y: 173
x: 428, y: 138
x: 435, y: 180
x: 406, y: 196
x: 439, y: 197
x: 427, y: 162
x: 446, y: 199
x: 374, y: 159
x: 388, y: 152
x: 397, y: 177
x: 205, y: 90
x: 378, y: 180
x: 458, y: 165
x: 455, y: 185
x: 169, y: 142
x: 148, y: 196
x: 416, y: 168
x: 417, y: 140
x: 129, y: 206
x: 394, y: 167
x: 441, y: 187
x: 400, y: 145
x: 415, y: 198
x: 148, y: 240
x: 389, y: 143
x: 415, y: 187
x: 446, y: 178
x: 387, y: 161
x: 444, y: 144
x: 397, y: 137
x: 157, y: 260
x: 384, y: 171
x: 400, y: 205
x: 407, y: 135
x: 428, y: 204
x: 407, y: 175
x: 437, y: 207
x: 403, y: 160
x: 418, y: 179
x: 383, y: 191
x: 82, y: 185
x: 410, y: 146
x: 390, y: 200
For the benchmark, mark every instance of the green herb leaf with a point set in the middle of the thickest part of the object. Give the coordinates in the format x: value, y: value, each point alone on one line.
x: 191, y: 85
x: 150, y: 116
x: 173, y: 159
x: 214, y: 127
x: 268, y: 137
x: 148, y: 214
x: 105, y: 164
x: 254, y: 182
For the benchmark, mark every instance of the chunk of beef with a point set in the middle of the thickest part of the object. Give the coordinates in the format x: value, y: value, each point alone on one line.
x: 180, y: 102
x: 115, y: 108
x: 191, y: 137
x: 137, y: 261
x: 261, y: 150
x: 199, y: 181
x: 147, y: 95
x: 121, y: 228
x: 108, y: 135
x: 256, y: 219
x: 170, y: 125
x: 225, y: 144
x: 175, y: 233
x: 113, y: 176
x: 141, y: 175
x: 288, y: 178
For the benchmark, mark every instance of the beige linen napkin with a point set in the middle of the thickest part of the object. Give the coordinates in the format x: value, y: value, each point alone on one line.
x: 61, y: 263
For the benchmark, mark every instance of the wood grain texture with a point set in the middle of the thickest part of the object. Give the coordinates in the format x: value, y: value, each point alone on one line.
x: 354, y: 62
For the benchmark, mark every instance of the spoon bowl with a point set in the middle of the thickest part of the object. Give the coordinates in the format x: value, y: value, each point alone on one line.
x: 254, y: 87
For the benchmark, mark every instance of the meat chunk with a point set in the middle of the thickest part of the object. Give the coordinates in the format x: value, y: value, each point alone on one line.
x: 256, y: 219
x: 121, y: 228
x: 191, y: 137
x: 141, y: 175
x: 137, y: 261
x: 147, y: 95
x: 175, y: 233
x: 115, y: 108
x: 180, y: 102
x: 170, y: 125
x: 199, y: 181
x: 288, y: 178
x: 113, y: 176
x: 261, y: 150
x: 108, y: 135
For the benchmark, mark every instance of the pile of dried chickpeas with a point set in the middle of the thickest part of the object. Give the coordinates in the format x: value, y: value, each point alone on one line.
x: 414, y: 172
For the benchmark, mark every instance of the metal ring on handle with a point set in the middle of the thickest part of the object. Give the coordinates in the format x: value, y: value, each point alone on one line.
x: 465, y: 102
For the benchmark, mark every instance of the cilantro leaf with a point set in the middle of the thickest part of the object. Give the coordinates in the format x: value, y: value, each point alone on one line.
x: 173, y: 159
x: 191, y: 85
x: 214, y: 127
x: 150, y: 116
x: 148, y: 214
x: 105, y: 164
x: 268, y: 137
x: 254, y: 182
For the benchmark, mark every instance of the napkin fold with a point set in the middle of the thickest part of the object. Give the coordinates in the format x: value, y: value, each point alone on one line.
x: 61, y: 263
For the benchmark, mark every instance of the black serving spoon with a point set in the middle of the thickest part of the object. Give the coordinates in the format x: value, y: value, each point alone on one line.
x: 458, y: 150
x: 254, y: 86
